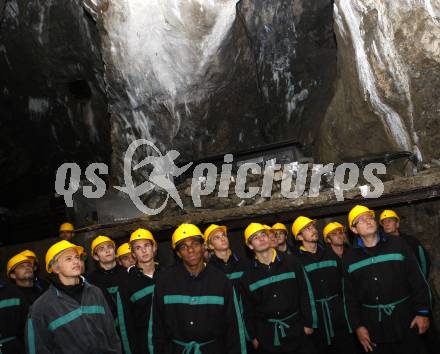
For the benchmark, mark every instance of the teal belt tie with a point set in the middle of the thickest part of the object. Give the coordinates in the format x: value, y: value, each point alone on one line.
x: 6, y: 340
x: 327, y: 316
x: 280, y: 328
x: 386, y: 308
x: 191, y: 347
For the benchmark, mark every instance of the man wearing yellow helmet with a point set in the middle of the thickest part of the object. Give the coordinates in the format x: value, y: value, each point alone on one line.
x: 138, y: 290
x: 72, y: 316
x: 324, y: 273
x: 280, y: 314
x: 229, y: 263
x: 111, y: 278
x: 193, y: 306
x: 223, y: 258
x: 335, y: 236
x: 390, y: 222
x: 13, y: 315
x: 20, y: 269
x: 66, y: 231
x: 124, y: 256
x: 387, y: 296
x: 281, y: 235
x: 38, y: 282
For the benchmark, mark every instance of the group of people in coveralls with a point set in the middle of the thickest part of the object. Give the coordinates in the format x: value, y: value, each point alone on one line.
x: 321, y: 295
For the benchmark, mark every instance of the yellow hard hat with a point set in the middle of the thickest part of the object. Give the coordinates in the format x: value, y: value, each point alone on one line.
x: 184, y: 231
x: 332, y: 227
x: 123, y: 249
x: 142, y: 234
x: 300, y: 223
x: 67, y: 226
x: 388, y: 214
x: 211, y: 228
x: 56, y: 249
x: 279, y: 226
x: 99, y: 240
x: 251, y: 229
x: 15, y: 261
x: 357, y: 211
x: 30, y: 254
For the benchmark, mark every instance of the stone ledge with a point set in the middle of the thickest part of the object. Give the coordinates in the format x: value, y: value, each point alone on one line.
x: 425, y: 185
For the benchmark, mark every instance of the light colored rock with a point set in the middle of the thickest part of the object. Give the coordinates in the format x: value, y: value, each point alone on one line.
x: 388, y: 85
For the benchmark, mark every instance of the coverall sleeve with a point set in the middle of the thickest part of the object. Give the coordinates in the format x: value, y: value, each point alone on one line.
x: 109, y: 326
x: 235, y: 338
x: 419, y: 288
x: 306, y: 297
x: 352, y: 309
x: 424, y: 260
x: 38, y: 338
x: 129, y: 337
x: 248, y: 308
x: 21, y: 318
x: 157, y: 336
x: 239, y: 287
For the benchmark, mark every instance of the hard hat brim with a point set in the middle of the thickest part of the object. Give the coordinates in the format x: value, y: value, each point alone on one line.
x: 153, y: 241
x: 101, y: 243
x: 388, y: 217
x: 279, y: 229
x: 176, y: 246
x: 336, y: 227
x: 123, y: 254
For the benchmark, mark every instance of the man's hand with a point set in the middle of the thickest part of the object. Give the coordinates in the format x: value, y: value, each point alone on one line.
x: 255, y: 343
x: 308, y: 331
x: 364, y: 338
x: 421, y: 322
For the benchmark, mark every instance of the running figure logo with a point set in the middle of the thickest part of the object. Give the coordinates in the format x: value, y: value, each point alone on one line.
x: 162, y: 176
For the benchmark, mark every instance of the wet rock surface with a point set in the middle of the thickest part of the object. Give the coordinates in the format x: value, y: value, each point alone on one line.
x: 388, y: 80
x: 210, y: 77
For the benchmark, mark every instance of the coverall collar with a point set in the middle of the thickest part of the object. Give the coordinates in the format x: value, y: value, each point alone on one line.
x: 382, y: 238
